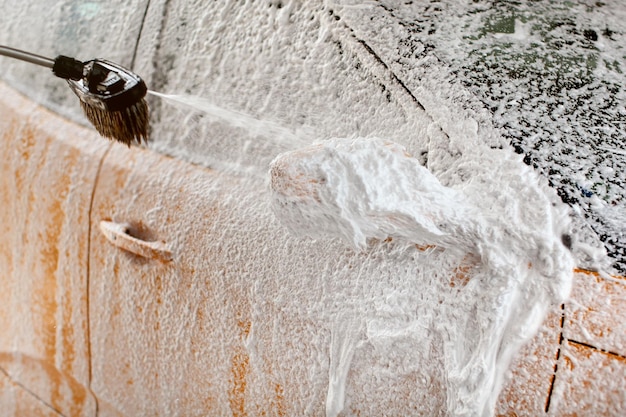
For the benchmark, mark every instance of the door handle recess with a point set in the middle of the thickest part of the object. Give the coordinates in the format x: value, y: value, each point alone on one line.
x: 117, y: 234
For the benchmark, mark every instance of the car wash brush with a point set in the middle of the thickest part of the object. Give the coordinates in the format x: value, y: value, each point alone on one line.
x: 111, y: 96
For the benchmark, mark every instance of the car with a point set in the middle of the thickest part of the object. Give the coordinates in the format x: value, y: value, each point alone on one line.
x: 161, y: 279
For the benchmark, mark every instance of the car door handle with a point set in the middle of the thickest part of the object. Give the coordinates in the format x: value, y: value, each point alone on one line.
x: 117, y: 234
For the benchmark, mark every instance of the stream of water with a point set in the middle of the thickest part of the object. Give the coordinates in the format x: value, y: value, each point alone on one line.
x: 253, y: 125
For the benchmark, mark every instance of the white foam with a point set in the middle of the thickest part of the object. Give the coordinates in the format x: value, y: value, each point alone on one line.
x: 363, y: 189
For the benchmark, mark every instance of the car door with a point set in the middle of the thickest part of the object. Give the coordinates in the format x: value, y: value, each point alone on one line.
x: 201, y: 304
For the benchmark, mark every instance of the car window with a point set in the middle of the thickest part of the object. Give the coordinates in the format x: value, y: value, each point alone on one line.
x: 260, y: 79
x: 551, y: 76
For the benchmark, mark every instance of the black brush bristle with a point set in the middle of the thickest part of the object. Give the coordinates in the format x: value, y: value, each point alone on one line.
x: 126, y: 126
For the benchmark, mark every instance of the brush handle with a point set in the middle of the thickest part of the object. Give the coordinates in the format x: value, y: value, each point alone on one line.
x: 26, y: 56
x: 63, y: 66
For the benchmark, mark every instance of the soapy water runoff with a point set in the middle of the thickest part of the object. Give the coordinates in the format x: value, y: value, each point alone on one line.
x: 509, y: 227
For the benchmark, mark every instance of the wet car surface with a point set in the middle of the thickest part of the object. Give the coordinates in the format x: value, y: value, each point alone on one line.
x: 91, y: 322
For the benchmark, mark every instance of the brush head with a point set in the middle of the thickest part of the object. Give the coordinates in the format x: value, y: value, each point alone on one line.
x: 112, y: 98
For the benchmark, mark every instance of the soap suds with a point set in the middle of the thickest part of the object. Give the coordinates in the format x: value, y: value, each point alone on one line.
x: 354, y: 193
x: 367, y: 190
